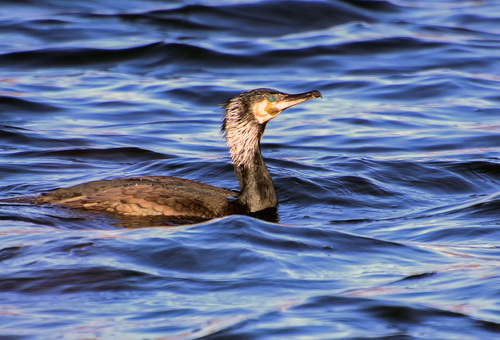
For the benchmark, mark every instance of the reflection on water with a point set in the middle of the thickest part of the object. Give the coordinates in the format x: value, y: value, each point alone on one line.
x: 388, y: 187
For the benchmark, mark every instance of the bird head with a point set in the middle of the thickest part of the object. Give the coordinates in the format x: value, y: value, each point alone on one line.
x: 246, y: 115
x: 265, y: 104
x: 262, y: 105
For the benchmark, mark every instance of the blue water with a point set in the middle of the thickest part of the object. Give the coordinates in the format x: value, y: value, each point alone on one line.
x: 389, y: 215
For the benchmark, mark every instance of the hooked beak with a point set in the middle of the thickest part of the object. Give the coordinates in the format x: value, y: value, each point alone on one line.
x: 293, y: 99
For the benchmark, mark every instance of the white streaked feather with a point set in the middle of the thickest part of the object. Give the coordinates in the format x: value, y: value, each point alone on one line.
x: 241, y: 134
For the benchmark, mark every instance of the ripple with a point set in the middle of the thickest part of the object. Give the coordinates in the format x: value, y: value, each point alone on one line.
x: 17, y: 105
x: 388, y: 186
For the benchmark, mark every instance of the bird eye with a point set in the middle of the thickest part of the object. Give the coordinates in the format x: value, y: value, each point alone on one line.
x: 271, y: 99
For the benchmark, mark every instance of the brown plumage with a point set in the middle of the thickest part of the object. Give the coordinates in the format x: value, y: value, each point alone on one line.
x: 245, y: 118
x: 146, y: 196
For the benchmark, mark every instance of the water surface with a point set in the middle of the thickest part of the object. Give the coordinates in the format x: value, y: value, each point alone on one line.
x: 388, y: 186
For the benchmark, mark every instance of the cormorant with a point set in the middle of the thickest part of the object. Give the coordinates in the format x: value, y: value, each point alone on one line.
x: 243, y: 125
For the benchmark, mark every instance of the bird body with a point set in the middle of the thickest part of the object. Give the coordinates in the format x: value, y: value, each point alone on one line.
x: 243, y: 125
x: 147, y: 196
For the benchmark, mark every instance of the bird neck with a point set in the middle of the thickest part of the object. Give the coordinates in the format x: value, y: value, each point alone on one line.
x: 243, y: 135
x: 257, y: 188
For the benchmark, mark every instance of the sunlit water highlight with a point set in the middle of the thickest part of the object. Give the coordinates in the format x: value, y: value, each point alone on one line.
x: 388, y: 186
